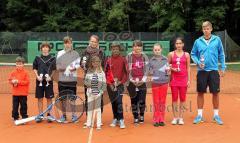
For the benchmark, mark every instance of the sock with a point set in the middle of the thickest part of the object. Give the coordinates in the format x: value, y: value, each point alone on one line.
x: 215, y: 111
x: 200, y: 111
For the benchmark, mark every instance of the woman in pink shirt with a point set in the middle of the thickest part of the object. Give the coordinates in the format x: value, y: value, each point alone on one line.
x: 180, y: 79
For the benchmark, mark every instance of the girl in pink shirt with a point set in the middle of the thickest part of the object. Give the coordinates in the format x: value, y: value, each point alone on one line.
x: 180, y: 79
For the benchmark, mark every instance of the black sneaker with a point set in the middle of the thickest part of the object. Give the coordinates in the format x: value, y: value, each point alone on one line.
x: 161, y: 124
x: 136, y: 121
x: 156, y: 124
x: 141, y: 119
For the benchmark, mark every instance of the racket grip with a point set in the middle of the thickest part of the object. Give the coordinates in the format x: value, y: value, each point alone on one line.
x: 22, y: 121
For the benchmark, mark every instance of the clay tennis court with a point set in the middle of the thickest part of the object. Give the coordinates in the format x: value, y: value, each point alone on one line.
x: 146, y: 133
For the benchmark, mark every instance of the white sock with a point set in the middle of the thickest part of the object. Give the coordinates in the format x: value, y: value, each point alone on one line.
x: 215, y: 111
x: 200, y: 111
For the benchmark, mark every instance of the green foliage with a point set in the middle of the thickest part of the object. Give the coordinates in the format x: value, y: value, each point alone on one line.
x: 214, y: 11
x: 115, y: 15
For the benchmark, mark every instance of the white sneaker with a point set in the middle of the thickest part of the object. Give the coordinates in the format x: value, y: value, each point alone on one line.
x: 99, y: 128
x: 180, y: 121
x: 86, y: 127
x: 50, y: 118
x: 174, y: 121
x: 122, y: 125
x: 114, y: 123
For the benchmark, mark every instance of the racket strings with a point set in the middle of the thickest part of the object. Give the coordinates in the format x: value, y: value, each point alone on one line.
x: 68, y: 107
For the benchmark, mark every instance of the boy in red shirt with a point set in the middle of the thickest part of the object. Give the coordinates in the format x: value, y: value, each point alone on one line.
x: 19, y: 79
x: 116, y: 74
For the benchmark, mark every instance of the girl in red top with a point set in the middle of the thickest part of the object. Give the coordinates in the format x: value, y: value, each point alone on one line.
x: 19, y: 79
x: 180, y: 79
x: 117, y: 75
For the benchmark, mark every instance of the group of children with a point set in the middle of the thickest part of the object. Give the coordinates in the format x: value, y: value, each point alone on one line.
x: 134, y: 71
x: 110, y: 73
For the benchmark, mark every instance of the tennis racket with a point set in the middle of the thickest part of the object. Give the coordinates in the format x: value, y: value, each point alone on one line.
x: 65, y: 109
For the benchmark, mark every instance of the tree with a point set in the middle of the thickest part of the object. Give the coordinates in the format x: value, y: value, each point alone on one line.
x: 212, y: 10
x: 22, y: 15
x: 170, y: 15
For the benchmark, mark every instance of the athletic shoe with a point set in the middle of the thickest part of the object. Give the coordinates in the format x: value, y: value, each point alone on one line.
x: 114, y: 123
x: 161, y: 124
x: 218, y: 120
x: 14, y: 119
x: 62, y: 119
x: 122, y: 125
x: 136, y: 121
x: 50, y: 118
x: 180, y: 121
x: 174, y: 121
x: 39, y: 119
x: 86, y: 127
x: 198, y: 120
x: 156, y: 124
x: 99, y: 128
x: 141, y: 119
x: 74, y: 119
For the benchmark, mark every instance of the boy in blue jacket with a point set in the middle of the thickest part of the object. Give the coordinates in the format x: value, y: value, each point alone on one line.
x: 206, y: 53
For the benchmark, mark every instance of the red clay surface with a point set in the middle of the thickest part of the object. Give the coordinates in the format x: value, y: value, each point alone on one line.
x: 207, y: 132
x: 74, y: 133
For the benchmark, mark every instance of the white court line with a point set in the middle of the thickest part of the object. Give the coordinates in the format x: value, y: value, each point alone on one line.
x: 92, y: 125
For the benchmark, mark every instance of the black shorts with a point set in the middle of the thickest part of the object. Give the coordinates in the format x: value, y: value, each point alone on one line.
x: 67, y: 88
x: 208, y: 78
x: 44, y: 91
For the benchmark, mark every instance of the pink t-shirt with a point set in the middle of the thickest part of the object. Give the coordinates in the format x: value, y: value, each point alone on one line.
x: 179, y: 78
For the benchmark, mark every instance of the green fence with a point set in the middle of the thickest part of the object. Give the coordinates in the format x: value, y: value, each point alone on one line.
x: 33, y: 47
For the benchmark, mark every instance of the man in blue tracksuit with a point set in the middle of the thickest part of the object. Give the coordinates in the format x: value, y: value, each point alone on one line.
x: 206, y: 53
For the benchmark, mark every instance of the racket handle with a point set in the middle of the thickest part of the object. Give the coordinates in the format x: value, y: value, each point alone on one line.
x: 22, y: 121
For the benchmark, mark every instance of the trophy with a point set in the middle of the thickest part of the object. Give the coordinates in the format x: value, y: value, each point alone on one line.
x: 137, y: 80
x: 115, y: 84
x: 84, y: 62
x: 167, y: 69
x: 178, y: 64
x: 14, y: 81
x: 41, y: 76
x: 202, y: 59
x: 47, y: 76
x: 67, y: 71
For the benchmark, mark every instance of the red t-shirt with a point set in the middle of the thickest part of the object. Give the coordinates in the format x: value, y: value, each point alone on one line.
x: 117, y: 68
x: 137, y: 67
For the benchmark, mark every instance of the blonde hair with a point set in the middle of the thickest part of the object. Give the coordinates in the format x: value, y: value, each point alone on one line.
x: 157, y: 44
x: 99, y: 68
x: 206, y: 24
x: 20, y: 59
x: 95, y: 37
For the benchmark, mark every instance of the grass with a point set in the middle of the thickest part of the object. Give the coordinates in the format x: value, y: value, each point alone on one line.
x: 233, y: 67
x: 9, y: 58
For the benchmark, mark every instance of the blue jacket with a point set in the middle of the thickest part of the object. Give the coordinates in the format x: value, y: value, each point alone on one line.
x: 212, y: 52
